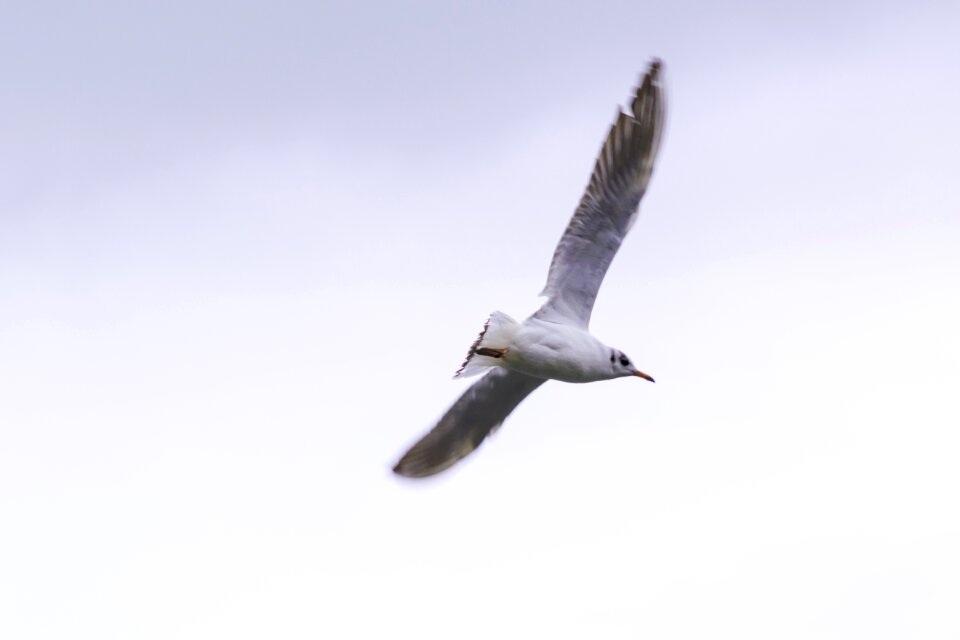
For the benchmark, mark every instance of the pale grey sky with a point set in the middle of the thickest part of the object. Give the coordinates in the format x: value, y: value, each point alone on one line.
x: 243, y: 248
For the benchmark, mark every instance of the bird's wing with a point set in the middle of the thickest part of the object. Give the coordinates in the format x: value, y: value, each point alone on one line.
x: 608, y: 207
x: 463, y: 427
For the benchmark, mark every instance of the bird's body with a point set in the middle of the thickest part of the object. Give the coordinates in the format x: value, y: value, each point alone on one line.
x: 554, y: 343
x: 542, y: 349
x: 559, y: 352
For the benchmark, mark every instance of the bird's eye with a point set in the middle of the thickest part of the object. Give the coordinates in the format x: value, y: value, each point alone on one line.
x: 624, y: 361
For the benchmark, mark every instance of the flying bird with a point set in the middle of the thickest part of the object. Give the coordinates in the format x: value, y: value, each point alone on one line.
x: 555, y: 343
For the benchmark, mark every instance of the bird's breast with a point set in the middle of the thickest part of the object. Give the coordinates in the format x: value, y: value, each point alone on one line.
x: 557, y: 352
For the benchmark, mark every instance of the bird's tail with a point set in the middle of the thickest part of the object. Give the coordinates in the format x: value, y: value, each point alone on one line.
x: 490, y: 346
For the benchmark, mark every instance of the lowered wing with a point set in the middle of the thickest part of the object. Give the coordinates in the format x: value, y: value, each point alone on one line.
x: 463, y: 427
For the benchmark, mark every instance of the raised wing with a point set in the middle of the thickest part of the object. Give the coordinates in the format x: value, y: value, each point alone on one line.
x: 480, y: 410
x: 607, y: 209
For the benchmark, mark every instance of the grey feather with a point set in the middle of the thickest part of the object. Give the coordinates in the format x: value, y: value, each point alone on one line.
x: 608, y: 207
x: 478, y: 412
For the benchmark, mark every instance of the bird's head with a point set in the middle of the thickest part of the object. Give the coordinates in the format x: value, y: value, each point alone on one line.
x: 622, y: 366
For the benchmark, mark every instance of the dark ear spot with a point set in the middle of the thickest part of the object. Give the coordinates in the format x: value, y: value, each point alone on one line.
x: 613, y: 356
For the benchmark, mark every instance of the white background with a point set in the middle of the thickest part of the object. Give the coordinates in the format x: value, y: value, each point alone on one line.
x: 242, y: 250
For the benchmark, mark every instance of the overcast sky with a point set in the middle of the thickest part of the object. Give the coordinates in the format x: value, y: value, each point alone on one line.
x: 243, y: 248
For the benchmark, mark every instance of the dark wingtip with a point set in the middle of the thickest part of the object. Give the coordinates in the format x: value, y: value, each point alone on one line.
x: 653, y: 72
x: 422, y: 461
x: 654, y: 69
x: 406, y: 469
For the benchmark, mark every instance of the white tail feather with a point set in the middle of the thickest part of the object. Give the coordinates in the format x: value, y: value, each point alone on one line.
x: 497, y: 334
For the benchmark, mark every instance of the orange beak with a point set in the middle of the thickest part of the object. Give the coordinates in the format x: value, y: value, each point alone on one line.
x: 641, y: 374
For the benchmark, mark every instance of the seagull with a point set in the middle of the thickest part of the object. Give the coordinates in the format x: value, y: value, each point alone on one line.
x: 555, y: 343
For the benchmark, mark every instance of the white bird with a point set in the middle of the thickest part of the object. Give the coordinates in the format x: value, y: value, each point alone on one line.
x: 554, y: 343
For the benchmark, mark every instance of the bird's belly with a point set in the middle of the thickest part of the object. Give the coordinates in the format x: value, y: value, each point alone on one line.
x: 552, y: 357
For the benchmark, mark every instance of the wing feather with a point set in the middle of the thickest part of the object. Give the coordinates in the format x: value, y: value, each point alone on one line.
x: 608, y: 207
x: 478, y: 412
